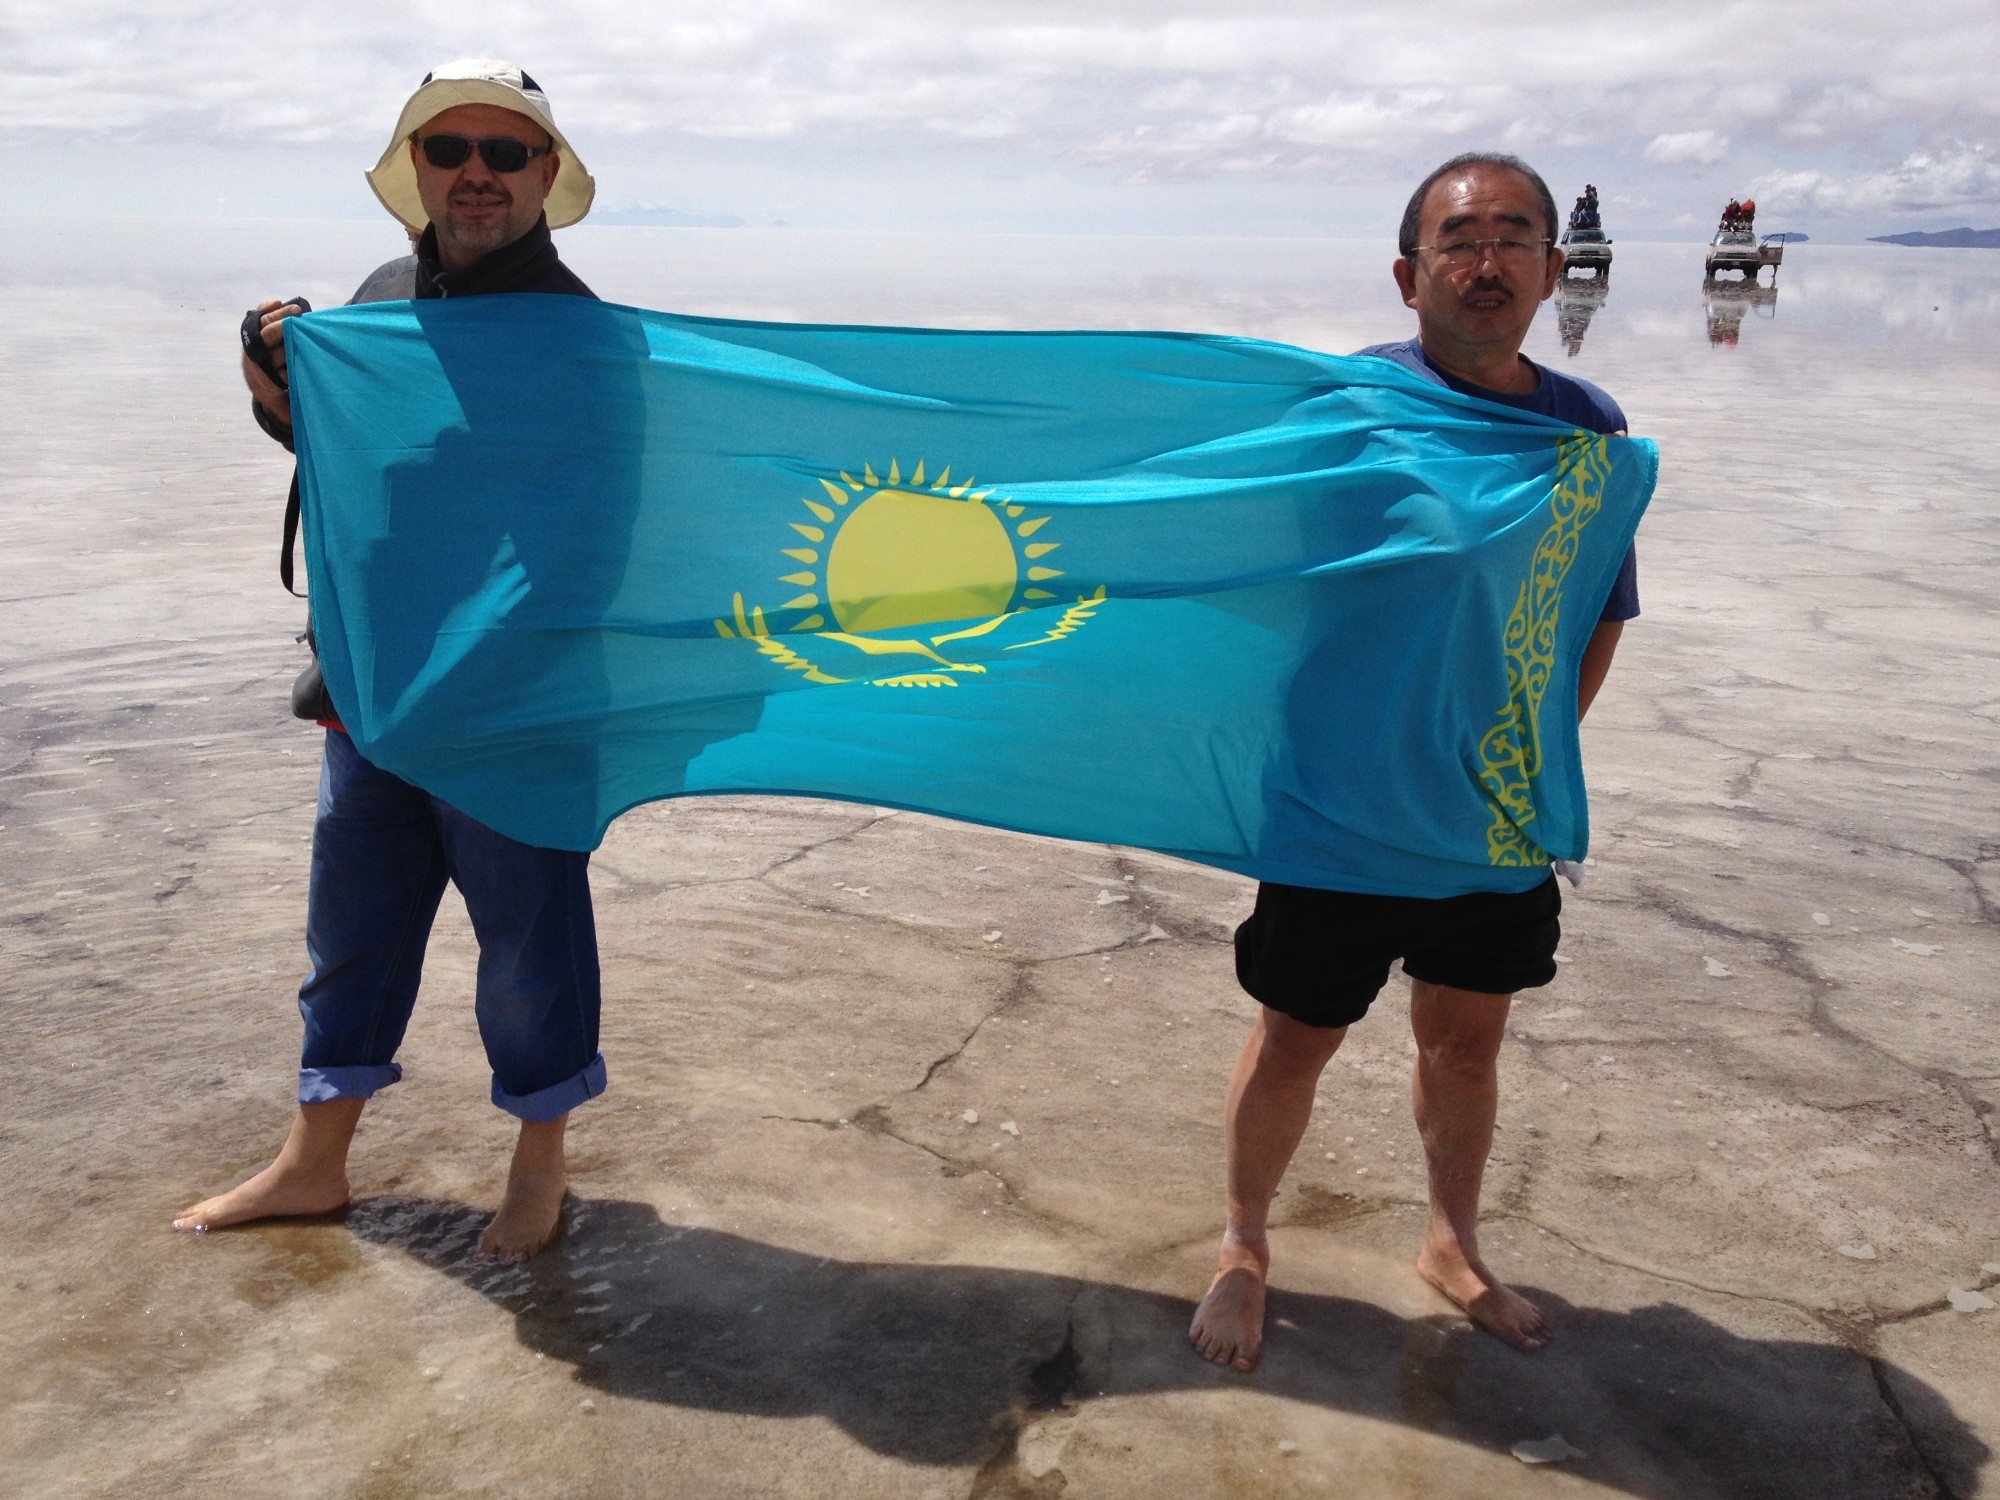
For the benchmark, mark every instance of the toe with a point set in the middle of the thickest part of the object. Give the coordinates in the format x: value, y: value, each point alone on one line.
x: 1528, y: 1336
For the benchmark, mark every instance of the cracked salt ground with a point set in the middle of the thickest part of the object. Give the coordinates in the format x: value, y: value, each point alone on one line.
x: 949, y: 1319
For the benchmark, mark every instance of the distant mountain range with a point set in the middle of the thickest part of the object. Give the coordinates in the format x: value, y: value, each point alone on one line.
x: 1957, y: 239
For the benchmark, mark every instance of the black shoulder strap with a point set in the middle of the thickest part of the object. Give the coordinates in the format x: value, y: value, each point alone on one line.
x: 291, y: 537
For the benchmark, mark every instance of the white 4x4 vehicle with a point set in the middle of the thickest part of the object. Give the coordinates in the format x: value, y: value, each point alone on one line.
x: 1740, y: 250
x: 1586, y: 250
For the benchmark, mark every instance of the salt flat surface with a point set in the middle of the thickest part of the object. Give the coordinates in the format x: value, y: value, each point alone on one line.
x: 1747, y: 1153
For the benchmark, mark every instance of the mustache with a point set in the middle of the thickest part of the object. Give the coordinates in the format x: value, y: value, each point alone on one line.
x: 1485, y: 286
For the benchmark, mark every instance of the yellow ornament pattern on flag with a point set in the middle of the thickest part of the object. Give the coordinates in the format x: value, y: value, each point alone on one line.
x: 882, y: 556
x: 1510, y: 753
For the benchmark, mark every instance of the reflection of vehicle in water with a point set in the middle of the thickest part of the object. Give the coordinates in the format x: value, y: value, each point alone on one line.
x: 1727, y: 301
x: 1584, y: 245
x: 1737, y: 248
x: 1577, y: 303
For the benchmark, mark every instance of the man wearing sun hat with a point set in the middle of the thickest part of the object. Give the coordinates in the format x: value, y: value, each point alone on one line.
x: 479, y: 171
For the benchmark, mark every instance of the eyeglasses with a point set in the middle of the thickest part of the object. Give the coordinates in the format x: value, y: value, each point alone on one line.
x: 1461, y: 254
x: 501, y: 153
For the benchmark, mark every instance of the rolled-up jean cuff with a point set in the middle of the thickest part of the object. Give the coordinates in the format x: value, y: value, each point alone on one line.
x: 558, y: 1098
x: 324, y: 1085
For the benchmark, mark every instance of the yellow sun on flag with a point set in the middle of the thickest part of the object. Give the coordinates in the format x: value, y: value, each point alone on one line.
x: 886, y: 554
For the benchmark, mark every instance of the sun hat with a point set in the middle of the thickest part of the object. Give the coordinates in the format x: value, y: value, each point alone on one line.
x: 476, y: 80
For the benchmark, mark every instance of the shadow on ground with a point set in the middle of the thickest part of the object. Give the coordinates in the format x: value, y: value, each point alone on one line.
x: 946, y: 1365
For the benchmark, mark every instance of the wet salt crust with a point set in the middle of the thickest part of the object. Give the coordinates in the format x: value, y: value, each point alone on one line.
x: 800, y: 1199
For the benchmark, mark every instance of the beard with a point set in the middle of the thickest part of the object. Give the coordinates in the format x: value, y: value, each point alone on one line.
x: 484, y: 233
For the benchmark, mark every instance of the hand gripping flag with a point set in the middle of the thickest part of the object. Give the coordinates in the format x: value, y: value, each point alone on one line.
x: 1305, y: 617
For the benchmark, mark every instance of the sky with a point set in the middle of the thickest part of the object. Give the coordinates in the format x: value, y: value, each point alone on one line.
x: 1843, y: 118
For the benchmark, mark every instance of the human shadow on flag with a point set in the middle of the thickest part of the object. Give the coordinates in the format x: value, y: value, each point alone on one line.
x: 967, y: 1365
x: 498, y: 662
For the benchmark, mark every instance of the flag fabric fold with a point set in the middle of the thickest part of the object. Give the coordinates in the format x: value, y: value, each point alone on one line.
x: 1301, y: 616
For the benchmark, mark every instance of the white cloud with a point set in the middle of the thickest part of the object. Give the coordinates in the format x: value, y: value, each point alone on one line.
x: 1179, y: 90
x: 1960, y: 176
x: 771, y: 68
x: 1703, y: 146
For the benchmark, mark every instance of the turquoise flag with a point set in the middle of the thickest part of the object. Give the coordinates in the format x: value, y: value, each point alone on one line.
x: 1305, y: 617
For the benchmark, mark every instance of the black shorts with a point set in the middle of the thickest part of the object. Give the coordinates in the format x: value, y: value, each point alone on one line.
x: 1322, y: 956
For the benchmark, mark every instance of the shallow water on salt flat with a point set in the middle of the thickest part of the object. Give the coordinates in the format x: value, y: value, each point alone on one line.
x: 1770, y: 1044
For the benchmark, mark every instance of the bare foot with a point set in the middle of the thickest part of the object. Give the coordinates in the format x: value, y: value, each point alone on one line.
x: 308, y: 1177
x: 532, y: 1206
x: 1489, y: 1302
x: 1228, y: 1327
x: 277, y: 1192
x: 525, y: 1223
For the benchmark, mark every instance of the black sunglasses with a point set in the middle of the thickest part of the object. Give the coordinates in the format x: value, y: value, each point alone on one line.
x: 501, y: 153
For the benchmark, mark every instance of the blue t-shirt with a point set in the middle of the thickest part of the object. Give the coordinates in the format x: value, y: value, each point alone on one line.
x: 1563, y: 397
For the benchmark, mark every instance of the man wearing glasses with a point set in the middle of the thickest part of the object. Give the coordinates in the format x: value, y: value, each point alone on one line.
x: 478, y: 171
x: 1477, y: 260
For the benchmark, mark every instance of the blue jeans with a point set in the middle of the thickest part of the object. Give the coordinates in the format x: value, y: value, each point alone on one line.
x: 382, y: 852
